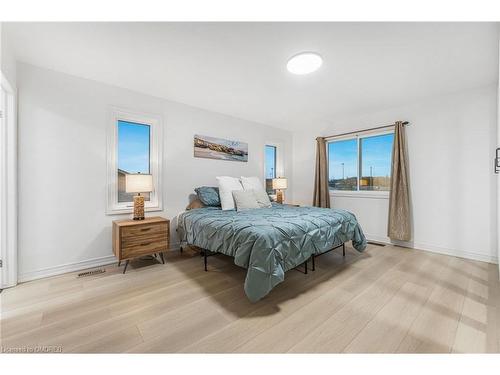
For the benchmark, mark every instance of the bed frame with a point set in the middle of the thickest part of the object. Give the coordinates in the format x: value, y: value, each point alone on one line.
x: 207, y: 253
x: 333, y: 248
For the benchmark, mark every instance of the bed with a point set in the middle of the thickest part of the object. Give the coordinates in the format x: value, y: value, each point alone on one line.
x: 269, y: 241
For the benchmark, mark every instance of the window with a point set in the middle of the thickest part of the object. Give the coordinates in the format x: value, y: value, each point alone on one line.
x: 270, y: 165
x: 375, y: 154
x: 361, y: 163
x: 134, y: 146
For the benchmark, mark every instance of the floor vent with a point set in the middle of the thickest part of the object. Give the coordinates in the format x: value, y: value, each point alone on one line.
x: 376, y: 243
x: 91, y: 273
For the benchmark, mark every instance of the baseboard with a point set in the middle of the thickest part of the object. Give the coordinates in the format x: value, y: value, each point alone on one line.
x: 65, y: 268
x: 73, y: 267
x: 435, y: 249
x: 102, y: 261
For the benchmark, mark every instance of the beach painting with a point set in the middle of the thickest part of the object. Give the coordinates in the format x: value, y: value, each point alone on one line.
x: 218, y: 148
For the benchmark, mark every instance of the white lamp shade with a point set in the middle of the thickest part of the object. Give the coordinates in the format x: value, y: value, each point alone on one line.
x: 138, y: 183
x: 280, y: 183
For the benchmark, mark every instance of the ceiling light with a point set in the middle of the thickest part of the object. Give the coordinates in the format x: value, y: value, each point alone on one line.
x: 304, y: 63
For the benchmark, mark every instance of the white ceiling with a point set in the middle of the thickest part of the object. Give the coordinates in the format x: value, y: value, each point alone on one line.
x: 240, y: 68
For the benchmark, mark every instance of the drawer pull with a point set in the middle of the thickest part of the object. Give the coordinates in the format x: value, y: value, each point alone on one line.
x: 145, y: 229
x: 146, y: 244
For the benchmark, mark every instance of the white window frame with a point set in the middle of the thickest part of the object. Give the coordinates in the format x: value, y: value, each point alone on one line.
x: 8, y: 185
x: 358, y: 193
x: 280, y: 170
x: 156, y: 151
x: 280, y: 161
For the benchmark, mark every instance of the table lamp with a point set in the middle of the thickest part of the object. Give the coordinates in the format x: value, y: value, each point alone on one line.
x: 138, y: 183
x: 280, y: 184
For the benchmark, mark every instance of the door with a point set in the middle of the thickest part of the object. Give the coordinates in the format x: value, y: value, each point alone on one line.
x: 8, y: 186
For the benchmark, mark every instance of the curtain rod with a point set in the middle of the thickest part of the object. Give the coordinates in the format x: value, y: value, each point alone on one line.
x: 364, y: 130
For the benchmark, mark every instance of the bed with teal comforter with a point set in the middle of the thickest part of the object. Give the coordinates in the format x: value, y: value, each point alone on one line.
x: 269, y: 241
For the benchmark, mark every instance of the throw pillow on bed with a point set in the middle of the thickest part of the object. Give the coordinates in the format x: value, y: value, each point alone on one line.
x: 208, y: 195
x: 254, y: 183
x: 245, y: 200
x: 226, y: 187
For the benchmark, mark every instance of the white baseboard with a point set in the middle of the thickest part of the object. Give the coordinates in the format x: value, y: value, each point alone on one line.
x: 65, y: 268
x: 102, y: 261
x: 435, y: 249
x: 73, y: 267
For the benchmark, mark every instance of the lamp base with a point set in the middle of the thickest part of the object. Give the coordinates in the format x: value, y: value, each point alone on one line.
x: 138, y: 207
x: 279, y: 196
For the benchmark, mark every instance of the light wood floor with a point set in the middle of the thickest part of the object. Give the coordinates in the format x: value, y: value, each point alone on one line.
x: 388, y: 299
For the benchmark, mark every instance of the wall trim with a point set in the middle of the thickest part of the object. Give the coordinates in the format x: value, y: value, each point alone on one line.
x: 435, y: 249
x: 75, y: 266
x: 65, y: 268
x: 103, y: 261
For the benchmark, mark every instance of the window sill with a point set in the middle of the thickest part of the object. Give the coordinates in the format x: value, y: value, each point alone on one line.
x: 360, y: 194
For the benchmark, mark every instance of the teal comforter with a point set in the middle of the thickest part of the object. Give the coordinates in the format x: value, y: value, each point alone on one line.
x: 269, y: 241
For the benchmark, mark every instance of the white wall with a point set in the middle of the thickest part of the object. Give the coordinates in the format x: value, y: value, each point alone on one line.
x: 62, y: 164
x: 451, y: 143
x: 8, y: 62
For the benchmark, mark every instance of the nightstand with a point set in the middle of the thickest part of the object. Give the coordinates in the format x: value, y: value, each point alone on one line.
x: 136, y: 238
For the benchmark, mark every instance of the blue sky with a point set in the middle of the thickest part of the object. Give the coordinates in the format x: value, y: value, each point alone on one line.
x: 133, y: 147
x: 376, y: 153
x: 270, y: 161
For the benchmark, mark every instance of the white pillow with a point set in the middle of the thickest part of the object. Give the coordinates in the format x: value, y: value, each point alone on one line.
x: 254, y: 183
x: 245, y: 200
x: 226, y: 187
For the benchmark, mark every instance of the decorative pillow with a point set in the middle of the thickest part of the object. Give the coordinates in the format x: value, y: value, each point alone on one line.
x: 254, y: 183
x: 195, y: 203
x: 208, y: 195
x: 226, y: 187
x: 245, y: 200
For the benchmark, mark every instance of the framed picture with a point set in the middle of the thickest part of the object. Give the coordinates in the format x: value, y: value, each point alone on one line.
x: 218, y: 148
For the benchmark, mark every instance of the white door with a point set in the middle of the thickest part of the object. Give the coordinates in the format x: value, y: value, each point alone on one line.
x: 8, y: 186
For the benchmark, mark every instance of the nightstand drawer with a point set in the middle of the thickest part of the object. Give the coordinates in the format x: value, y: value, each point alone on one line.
x: 143, y: 240
x: 144, y: 230
x: 147, y: 246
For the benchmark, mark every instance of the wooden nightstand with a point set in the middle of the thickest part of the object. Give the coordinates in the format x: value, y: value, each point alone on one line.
x: 136, y: 238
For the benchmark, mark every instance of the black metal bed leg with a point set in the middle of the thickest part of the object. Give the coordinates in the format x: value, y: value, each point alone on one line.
x: 205, y: 260
x: 305, y: 263
x: 343, y: 249
x: 314, y: 263
x: 181, y: 249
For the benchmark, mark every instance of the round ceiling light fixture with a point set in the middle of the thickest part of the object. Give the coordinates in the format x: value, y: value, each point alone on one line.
x: 304, y: 63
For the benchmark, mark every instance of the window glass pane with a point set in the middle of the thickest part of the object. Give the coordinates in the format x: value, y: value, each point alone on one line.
x: 343, y: 165
x: 376, y: 154
x: 270, y: 168
x: 133, y: 154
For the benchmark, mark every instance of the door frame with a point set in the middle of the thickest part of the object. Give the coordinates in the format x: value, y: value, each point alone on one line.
x: 8, y: 185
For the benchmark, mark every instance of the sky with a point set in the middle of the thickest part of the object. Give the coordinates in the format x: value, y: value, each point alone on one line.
x: 270, y: 161
x: 133, y: 147
x: 376, y: 153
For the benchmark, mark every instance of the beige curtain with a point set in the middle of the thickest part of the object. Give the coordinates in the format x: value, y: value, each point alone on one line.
x: 398, y: 227
x: 321, y: 193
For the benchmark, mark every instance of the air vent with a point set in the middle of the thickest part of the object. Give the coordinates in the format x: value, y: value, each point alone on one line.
x: 91, y: 273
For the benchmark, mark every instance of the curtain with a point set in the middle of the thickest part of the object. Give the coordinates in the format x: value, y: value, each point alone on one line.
x: 398, y: 227
x: 321, y: 193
